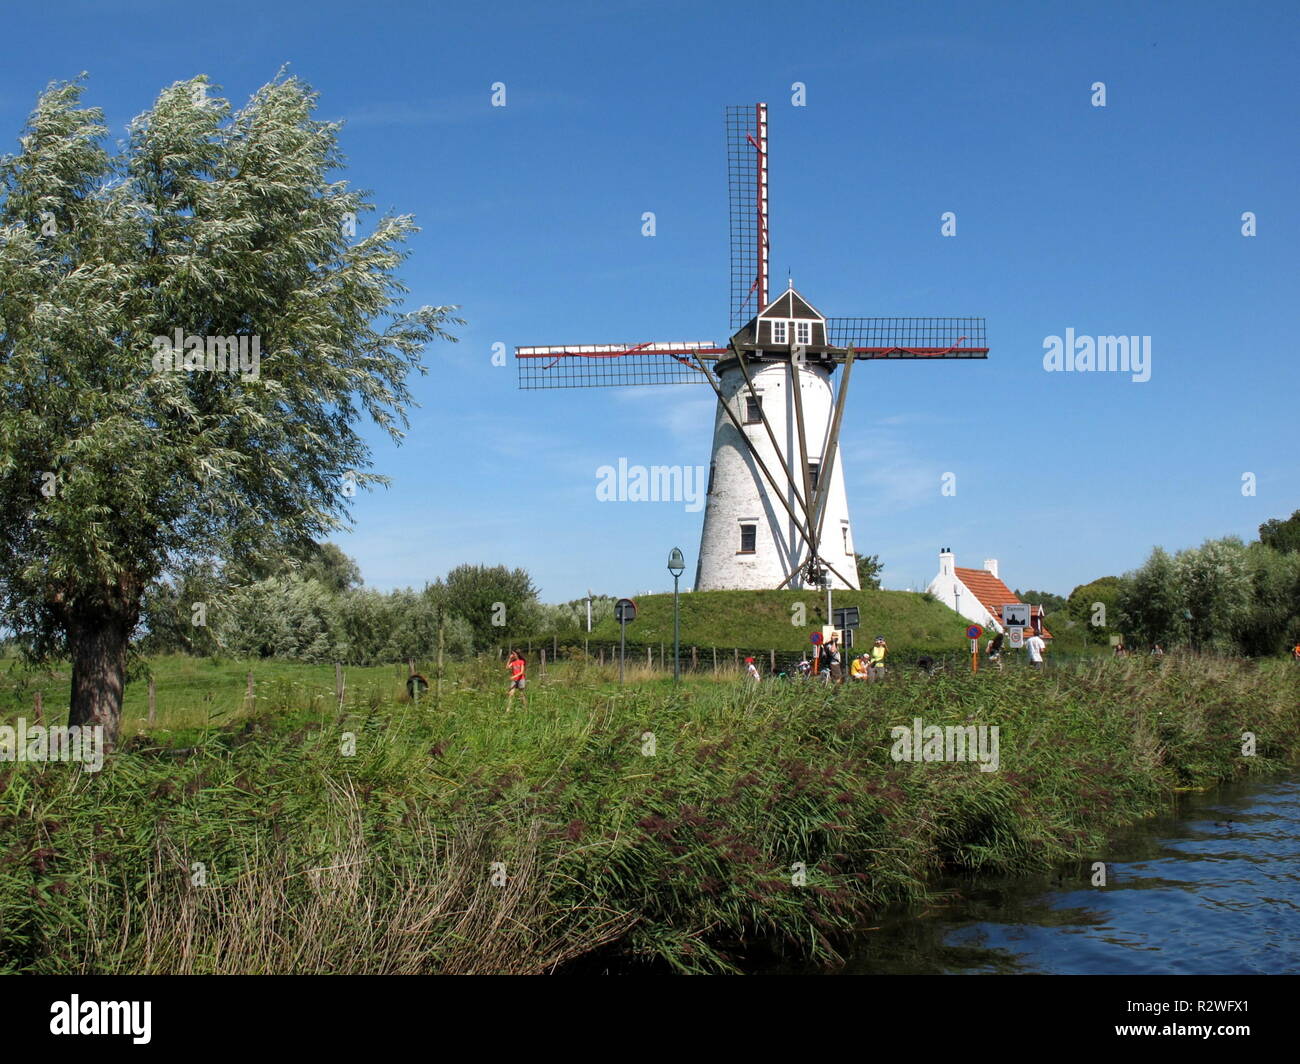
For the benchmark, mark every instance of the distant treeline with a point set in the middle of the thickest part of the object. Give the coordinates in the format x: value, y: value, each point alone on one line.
x: 317, y: 610
x: 1226, y: 596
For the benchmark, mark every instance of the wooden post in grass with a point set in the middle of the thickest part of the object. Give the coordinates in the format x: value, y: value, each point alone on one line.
x: 736, y: 653
x: 338, y: 684
x: 774, y: 663
x: 153, y: 700
x: 441, y: 630
x: 40, y: 708
x: 543, y: 663
x: 715, y: 659
x: 555, y: 647
x: 695, y: 658
x: 250, y: 692
x: 602, y: 656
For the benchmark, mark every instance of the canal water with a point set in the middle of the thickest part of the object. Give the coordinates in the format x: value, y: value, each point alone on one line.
x: 1213, y: 888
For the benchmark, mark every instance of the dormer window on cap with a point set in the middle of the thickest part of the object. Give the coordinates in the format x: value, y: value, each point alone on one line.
x: 790, y: 320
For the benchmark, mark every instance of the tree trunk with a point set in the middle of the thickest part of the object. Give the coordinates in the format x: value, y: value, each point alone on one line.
x: 98, y: 645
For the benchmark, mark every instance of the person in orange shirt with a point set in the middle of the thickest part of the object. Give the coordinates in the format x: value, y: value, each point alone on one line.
x: 518, y: 682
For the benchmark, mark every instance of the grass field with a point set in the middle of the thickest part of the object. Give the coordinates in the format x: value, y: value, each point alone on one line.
x: 763, y: 619
x: 642, y: 826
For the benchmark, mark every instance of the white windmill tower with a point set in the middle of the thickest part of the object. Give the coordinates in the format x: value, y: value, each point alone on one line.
x: 776, y: 514
x: 781, y: 450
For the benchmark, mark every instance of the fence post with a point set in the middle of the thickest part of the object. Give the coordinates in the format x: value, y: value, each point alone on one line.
x: 40, y: 705
x: 440, y: 645
x: 715, y: 659
x: 602, y: 655
x: 555, y: 647
x: 695, y: 659
x: 774, y: 663
x: 153, y: 700
x: 543, y: 663
x: 736, y: 653
x: 649, y: 657
x: 249, y: 691
x: 338, y: 684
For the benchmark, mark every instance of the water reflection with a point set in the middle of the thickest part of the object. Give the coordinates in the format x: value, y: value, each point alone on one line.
x: 1213, y: 889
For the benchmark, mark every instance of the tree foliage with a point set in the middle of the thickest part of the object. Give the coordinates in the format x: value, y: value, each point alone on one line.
x: 213, y: 224
x: 869, y: 569
x: 1281, y: 535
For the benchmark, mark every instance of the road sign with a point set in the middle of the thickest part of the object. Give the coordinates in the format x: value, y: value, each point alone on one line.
x: 974, y: 631
x: 815, y: 639
x: 625, y: 614
x: 1015, y: 636
x: 846, y: 617
x: 1015, y: 613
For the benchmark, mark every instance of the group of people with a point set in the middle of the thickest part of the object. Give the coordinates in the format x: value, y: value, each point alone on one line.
x: 827, y: 663
x: 1035, y: 645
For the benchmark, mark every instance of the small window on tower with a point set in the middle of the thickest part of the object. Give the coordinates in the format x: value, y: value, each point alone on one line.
x: 803, y: 332
x: 779, y: 335
x: 748, y: 538
x: 753, y: 410
x: 845, y: 530
x: 713, y: 468
x: 814, y: 471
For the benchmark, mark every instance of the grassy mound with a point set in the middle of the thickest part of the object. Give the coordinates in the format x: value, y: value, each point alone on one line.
x: 763, y: 619
x: 655, y: 824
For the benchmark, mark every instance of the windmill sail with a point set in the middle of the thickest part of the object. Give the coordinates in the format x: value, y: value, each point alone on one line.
x: 909, y: 337
x: 613, y: 365
x: 747, y: 209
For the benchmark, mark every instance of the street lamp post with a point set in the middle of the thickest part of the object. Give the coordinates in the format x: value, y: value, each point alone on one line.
x: 676, y: 566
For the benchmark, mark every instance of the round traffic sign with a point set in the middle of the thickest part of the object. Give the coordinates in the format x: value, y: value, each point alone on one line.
x: 625, y: 611
x: 974, y: 631
x: 816, y: 639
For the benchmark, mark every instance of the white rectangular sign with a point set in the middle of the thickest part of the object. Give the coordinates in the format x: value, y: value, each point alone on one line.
x: 1015, y: 613
x: 1015, y: 636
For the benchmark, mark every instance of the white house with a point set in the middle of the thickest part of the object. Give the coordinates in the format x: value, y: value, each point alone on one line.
x: 978, y: 594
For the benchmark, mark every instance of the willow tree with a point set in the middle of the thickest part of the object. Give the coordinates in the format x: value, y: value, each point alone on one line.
x: 193, y: 327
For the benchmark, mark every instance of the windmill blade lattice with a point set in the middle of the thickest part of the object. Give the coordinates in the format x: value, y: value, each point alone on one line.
x: 909, y: 337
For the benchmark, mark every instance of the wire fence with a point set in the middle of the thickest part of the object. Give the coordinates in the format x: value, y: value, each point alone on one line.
x: 695, y: 659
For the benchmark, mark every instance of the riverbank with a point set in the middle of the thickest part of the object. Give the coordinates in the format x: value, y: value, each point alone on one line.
x: 688, y: 830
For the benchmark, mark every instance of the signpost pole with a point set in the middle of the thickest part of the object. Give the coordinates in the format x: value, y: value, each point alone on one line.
x: 973, y: 633
x: 625, y: 611
x: 677, y: 637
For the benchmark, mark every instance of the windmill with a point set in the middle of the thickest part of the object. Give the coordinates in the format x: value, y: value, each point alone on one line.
x: 776, y: 513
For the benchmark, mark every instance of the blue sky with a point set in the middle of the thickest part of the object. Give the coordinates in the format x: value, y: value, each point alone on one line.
x: 1116, y: 220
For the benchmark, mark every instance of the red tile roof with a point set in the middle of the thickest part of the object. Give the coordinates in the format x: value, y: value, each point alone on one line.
x: 992, y: 593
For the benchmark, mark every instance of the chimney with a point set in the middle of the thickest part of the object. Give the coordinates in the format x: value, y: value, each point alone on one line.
x: 946, y: 561
x: 991, y: 566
